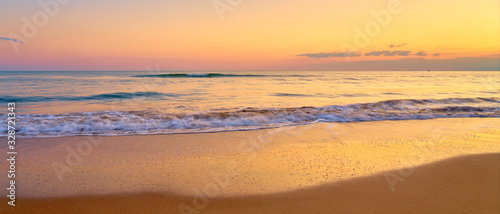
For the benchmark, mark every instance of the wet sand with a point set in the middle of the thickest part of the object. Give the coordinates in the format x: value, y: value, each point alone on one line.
x: 442, y: 165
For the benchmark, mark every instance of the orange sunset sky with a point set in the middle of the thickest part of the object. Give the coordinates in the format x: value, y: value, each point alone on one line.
x: 250, y: 35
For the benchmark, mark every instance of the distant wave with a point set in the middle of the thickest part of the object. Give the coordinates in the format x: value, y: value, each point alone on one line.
x: 110, y: 96
x: 290, y: 95
x: 212, y: 75
x: 150, y: 122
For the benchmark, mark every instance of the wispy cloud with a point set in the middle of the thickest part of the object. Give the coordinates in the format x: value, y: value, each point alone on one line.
x: 371, y: 53
x: 414, y: 64
x: 333, y: 54
x: 388, y: 53
x: 422, y: 53
x: 397, y: 45
x: 404, y: 53
x: 14, y: 40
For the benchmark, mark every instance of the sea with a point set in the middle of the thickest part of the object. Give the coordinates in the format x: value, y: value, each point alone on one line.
x: 110, y: 103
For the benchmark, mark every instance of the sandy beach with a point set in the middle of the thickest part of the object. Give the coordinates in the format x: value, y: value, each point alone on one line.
x: 411, y: 166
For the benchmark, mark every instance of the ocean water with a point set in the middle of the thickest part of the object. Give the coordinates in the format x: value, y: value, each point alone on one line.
x: 153, y: 102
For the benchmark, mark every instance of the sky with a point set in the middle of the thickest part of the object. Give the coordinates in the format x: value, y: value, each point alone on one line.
x: 249, y: 35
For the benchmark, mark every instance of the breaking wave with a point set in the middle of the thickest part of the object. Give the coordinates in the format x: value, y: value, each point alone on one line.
x: 111, y: 123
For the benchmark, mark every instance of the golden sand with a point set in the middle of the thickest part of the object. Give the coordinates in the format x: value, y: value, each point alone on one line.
x: 442, y: 165
x: 467, y: 184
